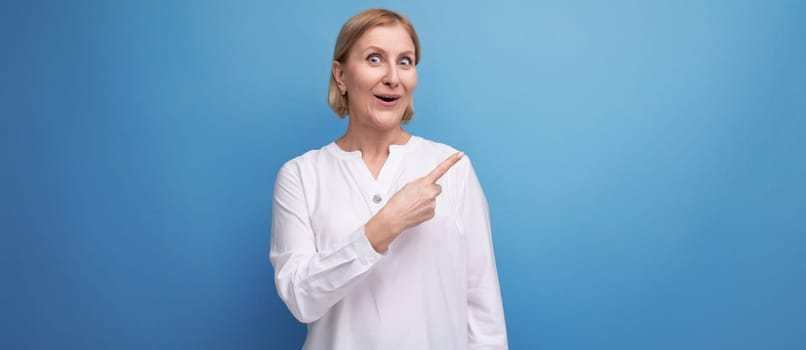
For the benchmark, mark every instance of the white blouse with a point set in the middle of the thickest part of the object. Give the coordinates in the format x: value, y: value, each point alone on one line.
x: 436, y: 287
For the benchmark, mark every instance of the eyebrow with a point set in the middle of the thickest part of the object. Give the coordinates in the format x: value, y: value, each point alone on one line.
x: 407, y: 52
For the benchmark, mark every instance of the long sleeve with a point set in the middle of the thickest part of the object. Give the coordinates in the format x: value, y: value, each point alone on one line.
x: 310, y: 282
x: 485, y: 321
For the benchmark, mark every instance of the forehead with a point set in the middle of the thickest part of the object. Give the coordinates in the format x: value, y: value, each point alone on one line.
x: 393, y: 38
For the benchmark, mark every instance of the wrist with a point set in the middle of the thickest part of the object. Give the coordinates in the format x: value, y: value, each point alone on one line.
x: 381, y: 230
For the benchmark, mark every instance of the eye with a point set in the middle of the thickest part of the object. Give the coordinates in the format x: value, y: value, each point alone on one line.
x: 405, y: 61
x: 374, y: 58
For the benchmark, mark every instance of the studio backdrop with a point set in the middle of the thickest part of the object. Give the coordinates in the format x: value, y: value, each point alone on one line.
x: 643, y: 162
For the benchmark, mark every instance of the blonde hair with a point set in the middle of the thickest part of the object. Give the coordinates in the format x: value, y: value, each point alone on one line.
x: 352, y: 30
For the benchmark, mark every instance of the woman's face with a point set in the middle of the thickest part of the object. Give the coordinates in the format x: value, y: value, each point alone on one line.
x: 379, y: 76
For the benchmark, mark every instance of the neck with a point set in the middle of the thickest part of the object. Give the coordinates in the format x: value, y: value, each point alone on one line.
x: 372, y: 143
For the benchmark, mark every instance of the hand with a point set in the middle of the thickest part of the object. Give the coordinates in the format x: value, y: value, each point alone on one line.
x: 412, y: 205
x: 416, y: 201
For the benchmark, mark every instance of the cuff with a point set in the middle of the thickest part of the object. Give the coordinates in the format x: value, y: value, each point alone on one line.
x: 363, y: 247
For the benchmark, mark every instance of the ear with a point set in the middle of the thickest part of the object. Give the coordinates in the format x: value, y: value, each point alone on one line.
x: 338, y: 76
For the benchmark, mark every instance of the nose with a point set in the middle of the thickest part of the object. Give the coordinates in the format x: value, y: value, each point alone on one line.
x: 391, y: 79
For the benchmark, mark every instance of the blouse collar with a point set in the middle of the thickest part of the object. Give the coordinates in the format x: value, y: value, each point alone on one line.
x: 334, y: 149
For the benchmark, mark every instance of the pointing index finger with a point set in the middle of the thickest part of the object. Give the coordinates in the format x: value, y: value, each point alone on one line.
x: 443, y: 167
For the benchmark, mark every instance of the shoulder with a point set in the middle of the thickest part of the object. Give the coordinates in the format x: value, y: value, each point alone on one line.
x: 434, y: 152
x: 435, y: 147
x: 301, y: 160
x: 303, y: 163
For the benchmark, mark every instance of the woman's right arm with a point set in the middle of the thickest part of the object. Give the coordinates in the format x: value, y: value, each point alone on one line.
x: 310, y: 282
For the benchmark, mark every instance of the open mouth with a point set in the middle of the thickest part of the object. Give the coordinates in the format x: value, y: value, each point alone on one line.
x: 387, y: 98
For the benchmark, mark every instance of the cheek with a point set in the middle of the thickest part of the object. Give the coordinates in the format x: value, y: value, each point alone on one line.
x: 367, y: 77
x: 410, y: 80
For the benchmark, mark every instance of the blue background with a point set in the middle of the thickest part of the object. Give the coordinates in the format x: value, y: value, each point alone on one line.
x: 643, y: 160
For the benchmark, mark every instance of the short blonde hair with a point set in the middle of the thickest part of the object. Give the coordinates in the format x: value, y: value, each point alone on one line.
x: 352, y: 30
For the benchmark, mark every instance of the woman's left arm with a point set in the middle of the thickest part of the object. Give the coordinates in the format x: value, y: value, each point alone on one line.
x: 485, y: 319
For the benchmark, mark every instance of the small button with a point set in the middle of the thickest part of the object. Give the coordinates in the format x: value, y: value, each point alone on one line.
x: 376, y: 198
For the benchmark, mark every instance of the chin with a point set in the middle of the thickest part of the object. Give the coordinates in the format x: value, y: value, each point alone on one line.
x: 388, y: 119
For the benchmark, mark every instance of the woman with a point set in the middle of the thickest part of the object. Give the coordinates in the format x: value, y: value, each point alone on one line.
x: 381, y: 239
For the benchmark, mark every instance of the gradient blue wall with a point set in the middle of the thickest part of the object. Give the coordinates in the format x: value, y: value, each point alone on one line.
x: 644, y: 163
